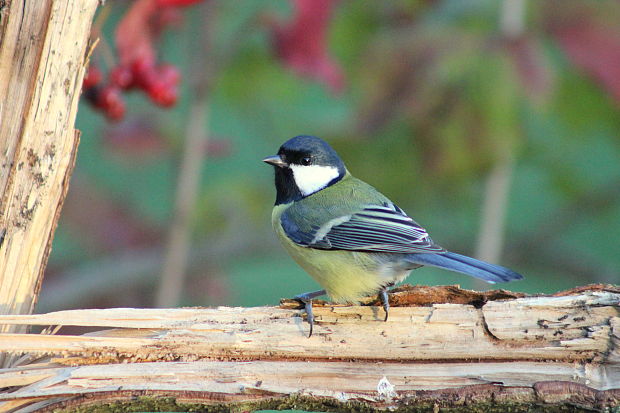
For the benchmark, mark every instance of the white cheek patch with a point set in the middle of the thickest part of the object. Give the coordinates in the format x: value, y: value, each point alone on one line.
x: 313, y: 178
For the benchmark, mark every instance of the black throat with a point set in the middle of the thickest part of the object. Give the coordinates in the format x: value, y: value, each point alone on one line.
x: 286, y: 189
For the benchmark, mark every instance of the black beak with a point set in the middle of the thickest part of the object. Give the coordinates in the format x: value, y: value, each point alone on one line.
x: 275, y: 160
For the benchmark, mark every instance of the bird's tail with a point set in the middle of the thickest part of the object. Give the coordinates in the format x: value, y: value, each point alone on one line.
x: 490, y: 273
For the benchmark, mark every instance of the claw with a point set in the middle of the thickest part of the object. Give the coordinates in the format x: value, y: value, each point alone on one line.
x: 306, y: 300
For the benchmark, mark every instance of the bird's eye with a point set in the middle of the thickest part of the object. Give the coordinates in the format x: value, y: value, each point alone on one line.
x: 306, y: 161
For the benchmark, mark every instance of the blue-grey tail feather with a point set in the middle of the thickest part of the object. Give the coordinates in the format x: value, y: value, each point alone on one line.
x: 490, y: 273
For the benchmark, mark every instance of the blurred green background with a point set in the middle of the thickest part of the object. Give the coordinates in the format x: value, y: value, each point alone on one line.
x: 438, y: 98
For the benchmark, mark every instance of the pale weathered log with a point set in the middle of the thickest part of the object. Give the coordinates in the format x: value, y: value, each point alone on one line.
x: 551, y: 350
x: 43, y: 47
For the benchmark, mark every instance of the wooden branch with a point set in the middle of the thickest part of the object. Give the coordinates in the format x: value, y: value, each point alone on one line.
x: 43, y: 44
x: 482, y: 348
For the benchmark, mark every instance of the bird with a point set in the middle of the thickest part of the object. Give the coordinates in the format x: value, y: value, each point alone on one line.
x: 348, y: 236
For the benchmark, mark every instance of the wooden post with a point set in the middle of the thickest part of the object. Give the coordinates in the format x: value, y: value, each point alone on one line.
x: 43, y: 47
x: 442, y: 347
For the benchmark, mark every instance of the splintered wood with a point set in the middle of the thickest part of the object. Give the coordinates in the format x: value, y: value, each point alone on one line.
x: 43, y: 47
x: 545, y: 349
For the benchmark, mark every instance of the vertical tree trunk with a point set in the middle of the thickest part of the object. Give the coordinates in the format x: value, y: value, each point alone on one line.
x: 43, y: 46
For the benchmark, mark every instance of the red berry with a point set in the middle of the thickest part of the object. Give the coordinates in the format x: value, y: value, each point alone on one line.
x: 92, y: 78
x: 91, y: 94
x: 144, y: 73
x: 108, y: 99
x: 163, y: 94
x: 169, y: 74
x: 122, y: 76
x: 116, y: 112
x: 141, y: 66
x: 109, y: 96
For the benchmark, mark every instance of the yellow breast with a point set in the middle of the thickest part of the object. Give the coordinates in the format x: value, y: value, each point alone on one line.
x: 347, y: 276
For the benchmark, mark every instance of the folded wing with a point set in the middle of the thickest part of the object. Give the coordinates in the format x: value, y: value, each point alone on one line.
x: 376, y: 228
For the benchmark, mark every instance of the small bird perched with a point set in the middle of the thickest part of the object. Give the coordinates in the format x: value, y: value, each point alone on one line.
x: 349, y: 237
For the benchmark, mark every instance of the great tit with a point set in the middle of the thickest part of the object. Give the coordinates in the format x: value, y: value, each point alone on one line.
x: 348, y: 236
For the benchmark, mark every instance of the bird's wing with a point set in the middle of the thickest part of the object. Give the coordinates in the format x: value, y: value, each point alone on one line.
x: 375, y: 228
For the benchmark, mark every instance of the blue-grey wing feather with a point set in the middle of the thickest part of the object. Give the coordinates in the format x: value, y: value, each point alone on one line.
x: 295, y: 233
x: 376, y: 228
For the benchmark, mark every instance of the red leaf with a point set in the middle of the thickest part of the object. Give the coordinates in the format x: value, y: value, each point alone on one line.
x: 594, y: 48
x: 301, y: 44
x: 531, y: 66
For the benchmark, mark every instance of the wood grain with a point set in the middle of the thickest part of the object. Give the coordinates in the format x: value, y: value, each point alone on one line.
x: 544, y: 349
x: 42, y: 61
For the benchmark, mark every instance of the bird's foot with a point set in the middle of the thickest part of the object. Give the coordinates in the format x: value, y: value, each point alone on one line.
x: 385, y: 300
x: 306, y: 300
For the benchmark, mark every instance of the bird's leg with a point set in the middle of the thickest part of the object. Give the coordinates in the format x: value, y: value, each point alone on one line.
x: 306, y: 300
x: 383, y: 296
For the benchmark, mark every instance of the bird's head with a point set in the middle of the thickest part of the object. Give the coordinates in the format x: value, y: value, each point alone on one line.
x: 304, y: 165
